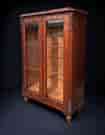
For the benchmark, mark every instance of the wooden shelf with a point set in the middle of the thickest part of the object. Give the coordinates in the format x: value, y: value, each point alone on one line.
x: 55, y: 75
x: 57, y: 58
x: 32, y: 68
x: 55, y: 46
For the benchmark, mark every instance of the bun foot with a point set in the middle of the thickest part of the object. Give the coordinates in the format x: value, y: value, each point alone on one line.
x: 68, y: 119
x: 25, y: 99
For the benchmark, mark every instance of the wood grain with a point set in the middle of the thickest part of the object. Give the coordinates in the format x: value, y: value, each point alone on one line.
x: 58, y: 74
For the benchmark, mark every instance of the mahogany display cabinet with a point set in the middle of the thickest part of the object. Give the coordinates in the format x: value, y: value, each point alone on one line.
x: 53, y: 58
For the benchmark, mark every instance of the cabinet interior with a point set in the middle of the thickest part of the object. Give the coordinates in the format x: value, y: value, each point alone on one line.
x: 55, y: 59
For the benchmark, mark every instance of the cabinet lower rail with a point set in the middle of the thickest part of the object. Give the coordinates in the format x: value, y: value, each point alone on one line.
x: 52, y: 104
x: 45, y: 100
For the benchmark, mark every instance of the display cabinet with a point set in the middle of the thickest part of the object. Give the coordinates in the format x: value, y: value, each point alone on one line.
x: 53, y: 58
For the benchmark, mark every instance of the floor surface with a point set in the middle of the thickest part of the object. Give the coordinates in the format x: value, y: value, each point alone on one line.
x: 20, y: 118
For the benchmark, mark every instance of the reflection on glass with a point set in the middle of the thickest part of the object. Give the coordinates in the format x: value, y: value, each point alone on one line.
x: 55, y: 57
x: 33, y: 58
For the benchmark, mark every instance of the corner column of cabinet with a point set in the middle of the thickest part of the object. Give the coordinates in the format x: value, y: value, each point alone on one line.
x: 22, y: 29
x: 68, y: 66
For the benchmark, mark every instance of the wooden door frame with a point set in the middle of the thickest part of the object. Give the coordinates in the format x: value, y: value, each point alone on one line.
x: 45, y: 19
x: 23, y: 22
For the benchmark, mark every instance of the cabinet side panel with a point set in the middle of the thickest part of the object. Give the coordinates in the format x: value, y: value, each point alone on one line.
x: 78, y: 64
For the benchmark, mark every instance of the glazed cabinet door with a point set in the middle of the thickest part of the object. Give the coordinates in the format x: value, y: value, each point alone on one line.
x: 54, y: 57
x: 32, y: 56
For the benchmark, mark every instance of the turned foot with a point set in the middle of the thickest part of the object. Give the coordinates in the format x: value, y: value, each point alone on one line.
x: 78, y: 112
x: 68, y: 119
x: 25, y: 99
x: 79, y: 109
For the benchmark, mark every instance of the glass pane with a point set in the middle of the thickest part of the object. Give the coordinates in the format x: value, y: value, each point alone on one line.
x: 55, y: 59
x: 33, y: 58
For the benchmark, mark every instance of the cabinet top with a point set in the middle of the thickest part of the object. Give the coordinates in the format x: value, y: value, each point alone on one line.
x: 52, y: 11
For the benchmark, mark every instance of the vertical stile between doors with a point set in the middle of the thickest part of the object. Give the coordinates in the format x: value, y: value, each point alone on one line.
x: 45, y: 57
x: 41, y: 54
